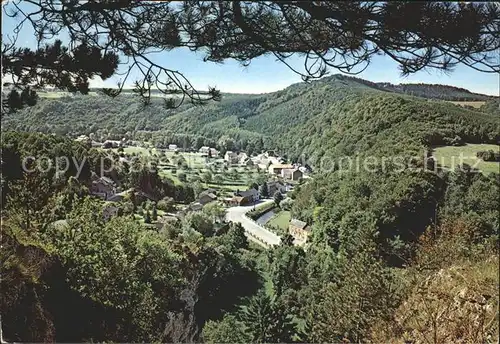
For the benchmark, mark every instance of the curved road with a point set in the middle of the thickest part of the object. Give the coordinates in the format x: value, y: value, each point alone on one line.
x: 237, y: 214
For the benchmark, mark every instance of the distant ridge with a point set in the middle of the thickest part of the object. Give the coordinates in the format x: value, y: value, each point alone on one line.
x: 423, y: 90
x: 430, y: 91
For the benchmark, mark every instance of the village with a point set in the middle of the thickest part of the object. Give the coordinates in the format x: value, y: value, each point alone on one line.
x: 222, y: 181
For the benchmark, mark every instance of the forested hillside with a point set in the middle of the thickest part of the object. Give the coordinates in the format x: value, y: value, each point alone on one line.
x: 431, y: 91
x: 290, y: 120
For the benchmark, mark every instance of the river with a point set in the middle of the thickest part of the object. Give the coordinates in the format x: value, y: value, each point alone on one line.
x: 264, y: 218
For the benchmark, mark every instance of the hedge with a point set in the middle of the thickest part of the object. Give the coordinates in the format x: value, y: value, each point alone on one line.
x: 261, y: 210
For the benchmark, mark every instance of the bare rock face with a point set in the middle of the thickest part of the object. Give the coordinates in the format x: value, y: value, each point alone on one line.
x: 182, y: 326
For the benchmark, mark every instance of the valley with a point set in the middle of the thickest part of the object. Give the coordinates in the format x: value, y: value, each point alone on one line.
x: 250, y: 172
x: 252, y: 196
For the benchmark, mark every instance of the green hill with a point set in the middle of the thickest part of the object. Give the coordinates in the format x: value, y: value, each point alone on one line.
x: 336, y: 115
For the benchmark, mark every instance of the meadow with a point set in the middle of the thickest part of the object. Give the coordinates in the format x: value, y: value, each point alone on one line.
x: 475, y: 104
x: 451, y: 156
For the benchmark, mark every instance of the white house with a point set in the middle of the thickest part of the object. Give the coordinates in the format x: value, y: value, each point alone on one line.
x: 277, y: 168
x: 242, y: 158
x: 263, y: 160
x: 291, y: 173
x: 204, y: 150
x: 231, y: 157
x: 172, y: 147
x: 214, y: 153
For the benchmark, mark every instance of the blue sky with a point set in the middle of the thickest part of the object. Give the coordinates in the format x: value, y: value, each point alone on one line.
x: 265, y: 74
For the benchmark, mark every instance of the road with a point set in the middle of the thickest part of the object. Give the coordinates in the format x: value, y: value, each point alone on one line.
x: 237, y: 214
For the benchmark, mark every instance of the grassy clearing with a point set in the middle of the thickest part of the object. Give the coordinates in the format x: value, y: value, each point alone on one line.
x: 451, y: 156
x: 168, y: 174
x: 280, y: 220
x: 476, y: 104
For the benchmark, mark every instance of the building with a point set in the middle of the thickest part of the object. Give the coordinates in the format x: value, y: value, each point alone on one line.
x: 207, y: 191
x: 120, y: 196
x: 242, y: 158
x: 252, y: 195
x: 291, y: 174
x: 237, y: 200
x: 206, y: 198
x: 263, y: 160
x: 231, y: 157
x: 172, y: 147
x: 84, y: 139
x: 113, y: 144
x: 204, y: 150
x: 103, y: 187
x: 299, y: 230
x: 196, y: 206
x: 214, y: 153
x: 275, y: 185
x: 245, y: 197
x: 277, y: 168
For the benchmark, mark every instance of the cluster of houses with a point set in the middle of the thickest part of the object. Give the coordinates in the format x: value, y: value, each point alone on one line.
x: 286, y: 171
x: 205, y: 197
x: 279, y: 171
x: 106, y: 188
x: 88, y: 141
x: 107, y: 143
x: 265, y: 159
x: 233, y: 158
x: 206, y: 151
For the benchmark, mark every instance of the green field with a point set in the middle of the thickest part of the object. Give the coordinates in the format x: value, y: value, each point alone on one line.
x: 280, y: 220
x: 476, y: 104
x: 451, y: 156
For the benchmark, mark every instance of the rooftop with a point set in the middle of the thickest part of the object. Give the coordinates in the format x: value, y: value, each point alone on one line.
x: 298, y: 223
x: 283, y: 166
x: 208, y: 191
x: 249, y: 192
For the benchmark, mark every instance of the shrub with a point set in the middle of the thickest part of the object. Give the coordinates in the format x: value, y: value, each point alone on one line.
x: 182, y: 177
x: 167, y: 204
x: 286, y: 204
x: 489, y: 155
